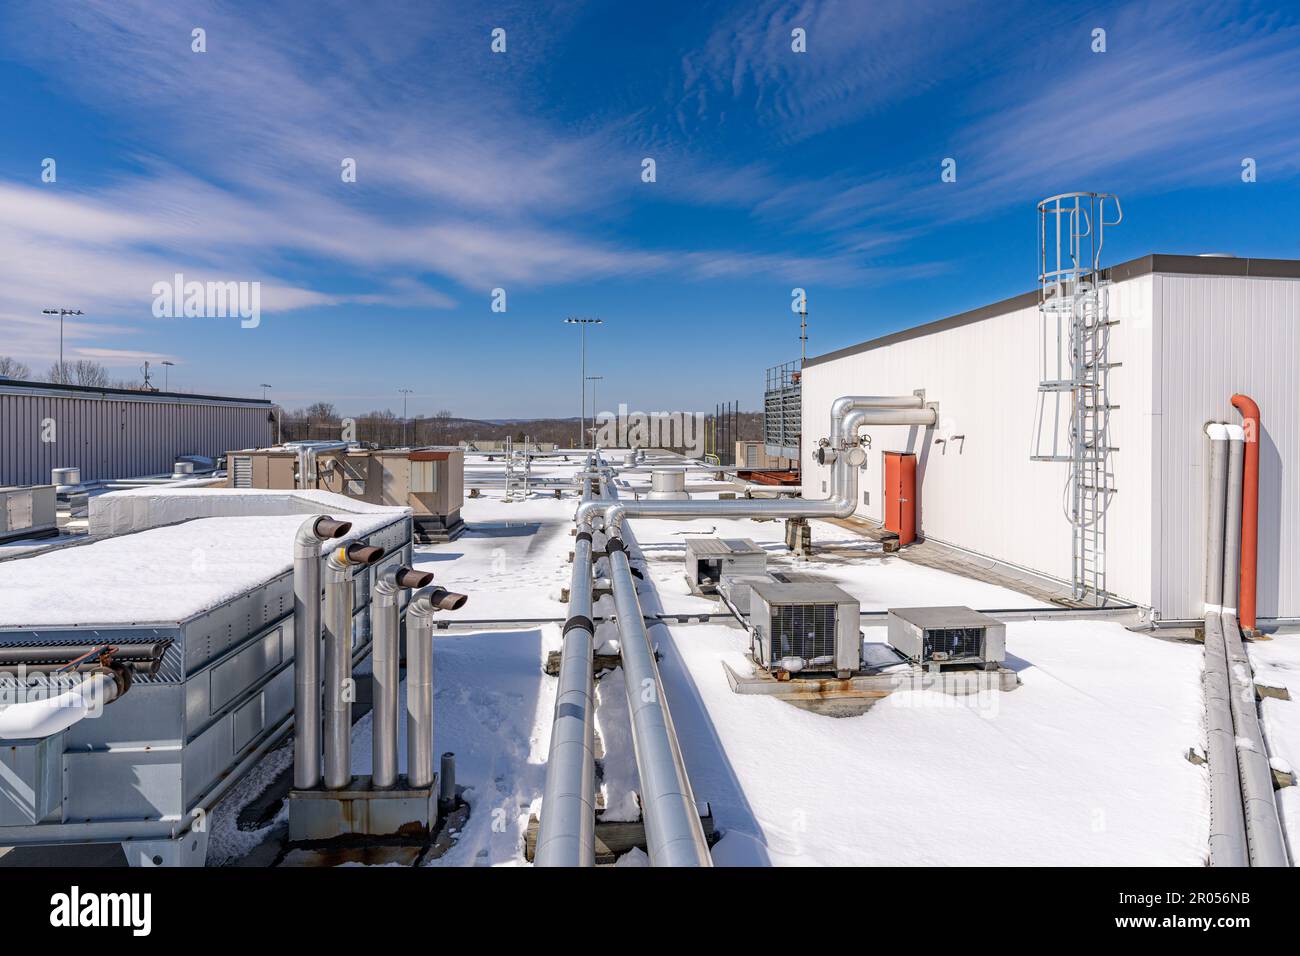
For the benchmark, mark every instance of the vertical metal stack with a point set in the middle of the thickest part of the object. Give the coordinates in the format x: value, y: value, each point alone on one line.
x: 1072, y: 421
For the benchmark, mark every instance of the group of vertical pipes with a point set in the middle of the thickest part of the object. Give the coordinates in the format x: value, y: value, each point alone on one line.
x: 335, y: 627
x: 674, y: 834
x: 1244, y: 825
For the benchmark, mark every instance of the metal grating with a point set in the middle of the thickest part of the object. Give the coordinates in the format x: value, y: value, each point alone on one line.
x: 803, y: 630
x: 782, y: 410
x: 953, y: 642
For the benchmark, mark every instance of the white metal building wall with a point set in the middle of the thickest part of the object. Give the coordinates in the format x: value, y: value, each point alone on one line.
x: 109, y: 435
x: 1218, y: 335
x: 1186, y: 344
x: 981, y: 492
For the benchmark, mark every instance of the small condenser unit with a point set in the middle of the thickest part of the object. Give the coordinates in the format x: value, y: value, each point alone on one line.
x: 947, y: 635
x: 711, y: 560
x: 804, y: 627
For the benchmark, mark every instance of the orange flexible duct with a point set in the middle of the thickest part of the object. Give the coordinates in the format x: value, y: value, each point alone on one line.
x: 1249, y: 511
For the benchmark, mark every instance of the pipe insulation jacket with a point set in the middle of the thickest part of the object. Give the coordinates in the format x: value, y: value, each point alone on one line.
x: 47, y: 716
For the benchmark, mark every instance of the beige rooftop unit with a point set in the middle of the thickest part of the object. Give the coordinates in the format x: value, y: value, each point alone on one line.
x: 430, y: 481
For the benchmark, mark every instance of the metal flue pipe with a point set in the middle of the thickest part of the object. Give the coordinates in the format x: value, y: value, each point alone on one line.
x: 385, y: 622
x: 1250, y: 510
x: 419, y: 680
x: 674, y: 834
x: 567, y: 831
x: 314, y: 532
x: 339, y: 686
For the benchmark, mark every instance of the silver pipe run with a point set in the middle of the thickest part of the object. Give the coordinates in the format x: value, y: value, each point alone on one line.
x: 385, y: 623
x: 674, y: 834
x: 566, y: 834
x: 314, y: 532
x: 1227, y: 821
x: 339, y: 685
x: 1264, y: 839
x: 419, y: 680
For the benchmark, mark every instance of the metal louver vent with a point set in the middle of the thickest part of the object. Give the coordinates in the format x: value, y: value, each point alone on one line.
x: 954, y: 642
x: 242, y: 469
x: 804, y: 630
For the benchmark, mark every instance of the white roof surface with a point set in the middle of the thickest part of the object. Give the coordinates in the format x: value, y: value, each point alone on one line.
x: 161, y: 575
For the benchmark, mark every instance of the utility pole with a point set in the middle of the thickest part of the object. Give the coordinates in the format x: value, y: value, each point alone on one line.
x: 582, y: 324
x: 405, y: 392
x: 63, y: 372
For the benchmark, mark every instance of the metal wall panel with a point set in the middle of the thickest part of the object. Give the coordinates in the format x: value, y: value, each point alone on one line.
x: 978, y: 488
x: 1218, y: 335
x: 111, y: 436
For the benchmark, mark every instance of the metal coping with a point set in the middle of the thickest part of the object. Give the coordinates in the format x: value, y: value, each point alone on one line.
x: 1144, y: 265
x: 15, y: 385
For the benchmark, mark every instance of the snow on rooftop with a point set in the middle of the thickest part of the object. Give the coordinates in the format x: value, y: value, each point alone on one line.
x: 161, y: 575
x: 1084, y: 764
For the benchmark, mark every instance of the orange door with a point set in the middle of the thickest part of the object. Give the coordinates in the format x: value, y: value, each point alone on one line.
x: 900, y: 495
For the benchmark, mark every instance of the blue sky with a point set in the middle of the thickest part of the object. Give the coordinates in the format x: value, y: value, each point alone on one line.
x: 522, y: 170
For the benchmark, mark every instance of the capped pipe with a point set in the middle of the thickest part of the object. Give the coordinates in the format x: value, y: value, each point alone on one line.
x: 339, y: 687
x: 385, y: 622
x: 419, y: 680
x: 307, y: 646
x: 447, y: 781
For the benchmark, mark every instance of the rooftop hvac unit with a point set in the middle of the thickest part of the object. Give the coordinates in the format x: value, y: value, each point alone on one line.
x: 805, y: 627
x: 709, y: 561
x: 947, y: 635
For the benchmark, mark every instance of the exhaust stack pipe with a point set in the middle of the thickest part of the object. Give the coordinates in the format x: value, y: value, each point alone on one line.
x: 339, y: 607
x: 385, y: 612
x: 314, y: 532
x: 419, y: 680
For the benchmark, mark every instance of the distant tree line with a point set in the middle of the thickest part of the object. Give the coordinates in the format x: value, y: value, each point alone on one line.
x: 85, y: 372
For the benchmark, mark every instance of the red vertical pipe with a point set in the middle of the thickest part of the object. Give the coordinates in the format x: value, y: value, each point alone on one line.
x: 1249, y: 511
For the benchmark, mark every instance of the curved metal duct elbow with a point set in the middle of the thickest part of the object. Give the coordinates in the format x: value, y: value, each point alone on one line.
x: 45, y: 717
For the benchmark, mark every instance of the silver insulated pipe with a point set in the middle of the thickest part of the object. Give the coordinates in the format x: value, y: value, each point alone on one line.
x: 419, y: 680
x: 314, y: 532
x: 566, y: 834
x: 385, y: 621
x: 674, y: 835
x: 339, y: 686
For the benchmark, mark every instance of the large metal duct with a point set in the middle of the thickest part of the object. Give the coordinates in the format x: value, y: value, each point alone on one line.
x: 339, y: 686
x: 385, y: 618
x: 314, y: 532
x: 674, y: 835
x: 566, y: 834
x: 1227, y: 822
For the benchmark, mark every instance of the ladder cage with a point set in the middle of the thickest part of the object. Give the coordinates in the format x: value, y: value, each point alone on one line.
x: 1073, y: 413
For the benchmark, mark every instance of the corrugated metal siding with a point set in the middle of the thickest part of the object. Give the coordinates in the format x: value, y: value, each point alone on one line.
x: 1217, y: 336
x: 117, y: 437
x: 984, y: 494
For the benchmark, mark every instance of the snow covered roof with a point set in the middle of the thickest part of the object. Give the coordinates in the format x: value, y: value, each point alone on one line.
x: 161, y: 575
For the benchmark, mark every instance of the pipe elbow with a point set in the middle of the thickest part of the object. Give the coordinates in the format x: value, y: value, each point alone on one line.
x: 1249, y: 414
x: 587, y: 512
x: 613, y: 517
x: 316, y: 529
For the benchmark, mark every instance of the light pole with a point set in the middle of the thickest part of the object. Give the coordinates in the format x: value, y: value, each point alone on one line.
x: 405, y: 392
x: 582, y: 328
x: 595, y: 409
x: 264, y: 386
x: 63, y: 372
x: 167, y: 364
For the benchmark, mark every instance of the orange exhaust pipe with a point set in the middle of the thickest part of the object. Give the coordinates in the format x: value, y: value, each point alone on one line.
x: 1249, y: 511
